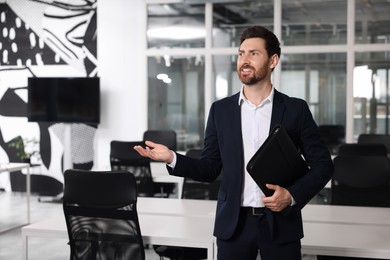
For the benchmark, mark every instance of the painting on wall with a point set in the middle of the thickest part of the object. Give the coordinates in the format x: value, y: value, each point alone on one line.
x: 44, y: 39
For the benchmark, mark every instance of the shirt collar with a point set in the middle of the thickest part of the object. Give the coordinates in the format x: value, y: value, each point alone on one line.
x: 242, y: 98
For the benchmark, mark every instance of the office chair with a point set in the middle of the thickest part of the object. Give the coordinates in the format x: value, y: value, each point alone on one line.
x: 101, y: 216
x: 200, y: 190
x: 191, y: 190
x: 333, y: 136
x: 124, y: 157
x: 361, y: 181
x: 375, y: 139
x: 165, y: 137
x: 362, y: 149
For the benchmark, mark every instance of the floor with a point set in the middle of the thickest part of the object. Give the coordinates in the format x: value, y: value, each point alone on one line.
x: 13, y: 212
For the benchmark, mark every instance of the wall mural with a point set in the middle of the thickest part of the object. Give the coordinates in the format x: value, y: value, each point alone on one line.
x: 44, y: 39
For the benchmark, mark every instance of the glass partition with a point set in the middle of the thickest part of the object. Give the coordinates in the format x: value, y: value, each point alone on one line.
x: 320, y: 79
x: 372, y: 23
x: 371, y: 93
x: 314, y: 22
x: 176, y: 25
x: 202, y: 68
x: 230, y: 19
x: 176, y: 98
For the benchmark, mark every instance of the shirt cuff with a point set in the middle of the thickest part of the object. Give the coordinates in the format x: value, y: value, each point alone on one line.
x: 173, y: 163
x: 292, y: 201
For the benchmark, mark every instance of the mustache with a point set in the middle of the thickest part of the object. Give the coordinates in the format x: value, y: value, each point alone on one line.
x: 246, y: 66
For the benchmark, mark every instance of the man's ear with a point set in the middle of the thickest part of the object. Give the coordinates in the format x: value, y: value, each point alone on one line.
x: 274, y: 61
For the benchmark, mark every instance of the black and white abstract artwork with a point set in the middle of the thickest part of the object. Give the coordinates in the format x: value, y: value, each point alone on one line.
x: 44, y: 38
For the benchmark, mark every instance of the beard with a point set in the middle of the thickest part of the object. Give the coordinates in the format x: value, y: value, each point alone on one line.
x: 254, y: 77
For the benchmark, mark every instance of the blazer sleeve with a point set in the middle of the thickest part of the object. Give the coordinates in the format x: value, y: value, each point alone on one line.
x: 306, y: 134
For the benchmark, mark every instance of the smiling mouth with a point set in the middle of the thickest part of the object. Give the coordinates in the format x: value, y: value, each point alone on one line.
x: 246, y: 71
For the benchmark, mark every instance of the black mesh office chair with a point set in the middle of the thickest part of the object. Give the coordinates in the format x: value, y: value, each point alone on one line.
x: 375, y: 139
x: 124, y: 157
x: 360, y: 181
x: 169, y: 139
x: 100, y: 210
x: 365, y: 149
x: 165, y: 137
x: 200, y: 190
x: 333, y: 136
x: 191, y: 190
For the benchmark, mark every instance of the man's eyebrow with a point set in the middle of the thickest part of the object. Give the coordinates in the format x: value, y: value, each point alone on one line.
x: 253, y: 50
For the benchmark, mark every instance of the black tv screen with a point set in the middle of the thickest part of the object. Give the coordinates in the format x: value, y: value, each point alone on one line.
x: 67, y: 100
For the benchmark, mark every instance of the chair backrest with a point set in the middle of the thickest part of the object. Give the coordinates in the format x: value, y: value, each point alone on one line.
x: 200, y: 190
x: 333, y: 136
x: 375, y: 139
x: 124, y: 157
x: 101, y: 216
x: 362, y: 149
x: 165, y: 137
x: 361, y: 181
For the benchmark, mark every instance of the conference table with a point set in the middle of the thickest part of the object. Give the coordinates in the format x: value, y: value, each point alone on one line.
x: 155, y: 229
x: 13, y: 167
x: 329, y: 230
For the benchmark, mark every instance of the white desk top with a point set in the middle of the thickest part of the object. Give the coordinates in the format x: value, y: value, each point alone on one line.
x: 320, y: 238
x: 329, y: 230
x: 310, y: 213
x: 155, y: 229
x: 352, y: 240
x: 12, y: 167
x: 346, y: 214
x: 5, y: 167
x: 177, y: 207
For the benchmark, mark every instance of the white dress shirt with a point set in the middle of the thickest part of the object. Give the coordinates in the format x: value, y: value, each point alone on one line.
x: 255, y: 126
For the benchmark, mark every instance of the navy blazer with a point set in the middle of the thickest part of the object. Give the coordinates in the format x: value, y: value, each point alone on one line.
x: 223, y: 150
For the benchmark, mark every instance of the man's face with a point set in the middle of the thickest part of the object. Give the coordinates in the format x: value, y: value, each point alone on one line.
x: 253, y: 64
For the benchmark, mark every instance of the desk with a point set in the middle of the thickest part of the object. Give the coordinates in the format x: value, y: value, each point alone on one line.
x: 310, y: 213
x: 177, y: 207
x: 346, y: 215
x: 329, y: 230
x: 155, y: 229
x: 352, y: 240
x: 320, y: 238
x: 12, y: 167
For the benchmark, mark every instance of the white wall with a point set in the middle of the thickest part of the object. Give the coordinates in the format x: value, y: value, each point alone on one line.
x: 122, y: 70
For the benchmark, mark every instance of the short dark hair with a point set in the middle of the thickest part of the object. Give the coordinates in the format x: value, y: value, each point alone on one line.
x: 272, y: 44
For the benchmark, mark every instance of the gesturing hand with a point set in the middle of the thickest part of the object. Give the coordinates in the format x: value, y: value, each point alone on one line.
x: 156, y: 152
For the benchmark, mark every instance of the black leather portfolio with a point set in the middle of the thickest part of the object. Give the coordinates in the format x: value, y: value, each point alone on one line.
x: 277, y: 162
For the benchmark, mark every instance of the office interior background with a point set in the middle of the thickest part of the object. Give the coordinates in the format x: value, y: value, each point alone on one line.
x: 162, y: 63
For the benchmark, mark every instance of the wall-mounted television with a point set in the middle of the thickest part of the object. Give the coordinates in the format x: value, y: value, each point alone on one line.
x: 64, y: 99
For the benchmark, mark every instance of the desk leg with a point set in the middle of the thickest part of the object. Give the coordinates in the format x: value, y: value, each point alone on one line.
x: 24, y: 246
x: 210, y: 252
x: 28, y: 191
x: 180, y: 188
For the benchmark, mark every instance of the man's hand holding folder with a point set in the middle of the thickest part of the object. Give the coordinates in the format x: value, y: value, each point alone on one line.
x: 276, y: 163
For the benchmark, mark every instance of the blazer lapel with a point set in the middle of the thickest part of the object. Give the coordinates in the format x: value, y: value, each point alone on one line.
x: 236, y: 118
x: 278, y: 109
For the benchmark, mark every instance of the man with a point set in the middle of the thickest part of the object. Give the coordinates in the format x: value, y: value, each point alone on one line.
x: 246, y: 221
